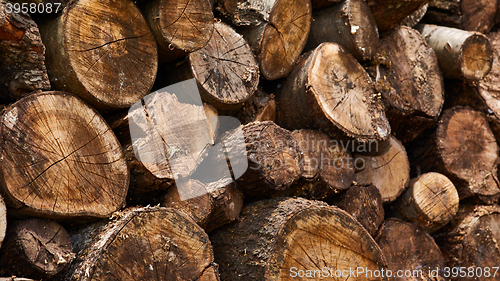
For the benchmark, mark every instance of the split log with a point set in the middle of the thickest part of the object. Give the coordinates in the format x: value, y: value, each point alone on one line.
x: 408, y: 76
x: 410, y: 251
x: 464, y: 149
x: 431, y: 201
x: 180, y: 26
x: 219, y: 204
x: 3, y: 220
x: 103, y: 51
x: 471, y: 240
x: 461, y: 54
x: 325, y: 167
x: 318, y: 4
x: 22, y: 55
x: 259, y: 108
x: 416, y: 17
x: 60, y: 159
x: 143, y: 244
x: 277, y: 239
x: 470, y: 15
x: 330, y: 91
x: 272, y: 156
x: 389, y: 171
x: 225, y: 70
x: 349, y: 23
x: 36, y: 248
x: 365, y: 204
x: 390, y: 13
x: 276, y: 30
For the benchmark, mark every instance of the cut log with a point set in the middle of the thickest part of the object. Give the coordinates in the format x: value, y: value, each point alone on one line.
x: 318, y: 4
x: 488, y: 88
x: 464, y: 149
x: 390, y: 13
x: 290, y: 237
x: 143, y: 244
x: 365, y: 204
x: 3, y: 220
x: 470, y: 15
x: 326, y: 168
x: 411, y: 253
x: 179, y: 26
x: 416, y: 17
x: 471, y: 240
x: 273, y: 159
x: 103, y: 51
x: 408, y: 76
x: 330, y: 91
x: 431, y: 201
x: 276, y: 30
x: 461, y: 54
x: 22, y: 55
x: 225, y: 70
x: 60, y: 159
x: 259, y: 108
x: 389, y: 171
x: 220, y: 203
x: 36, y: 248
x: 349, y: 23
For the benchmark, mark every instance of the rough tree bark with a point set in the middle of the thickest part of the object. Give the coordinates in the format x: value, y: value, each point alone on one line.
x: 276, y: 30
x: 275, y: 236
x: 3, y: 220
x: 471, y: 15
x: 22, y: 55
x: 179, y: 26
x: 408, y: 76
x: 415, y: 17
x: 220, y: 203
x: 103, y: 51
x: 259, y: 108
x: 36, y: 248
x: 488, y: 88
x: 471, y: 240
x: 431, y: 201
x: 273, y: 159
x: 349, y: 23
x: 225, y: 70
x: 365, y: 204
x: 464, y: 149
x: 389, y: 171
x: 461, y: 54
x: 409, y: 248
x: 390, y: 13
x: 326, y: 168
x: 60, y: 159
x: 143, y: 244
x: 330, y: 91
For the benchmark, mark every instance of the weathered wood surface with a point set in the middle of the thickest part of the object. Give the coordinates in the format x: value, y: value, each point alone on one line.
x: 278, y: 237
x: 143, y: 244
x: 60, y: 159
x: 22, y: 55
x: 390, y: 13
x: 102, y: 51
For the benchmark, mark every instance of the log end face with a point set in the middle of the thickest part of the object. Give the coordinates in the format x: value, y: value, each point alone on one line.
x: 476, y: 57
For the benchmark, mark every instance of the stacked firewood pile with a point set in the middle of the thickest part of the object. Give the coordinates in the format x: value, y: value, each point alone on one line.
x: 367, y: 131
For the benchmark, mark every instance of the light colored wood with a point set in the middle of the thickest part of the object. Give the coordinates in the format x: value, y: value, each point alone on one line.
x: 278, y: 237
x: 431, y: 201
x: 60, y: 159
x: 389, y: 172
x: 102, y: 51
x: 3, y: 220
x: 461, y: 54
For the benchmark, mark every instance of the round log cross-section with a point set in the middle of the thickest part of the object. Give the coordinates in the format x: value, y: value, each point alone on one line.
x: 60, y: 159
x: 102, y: 51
